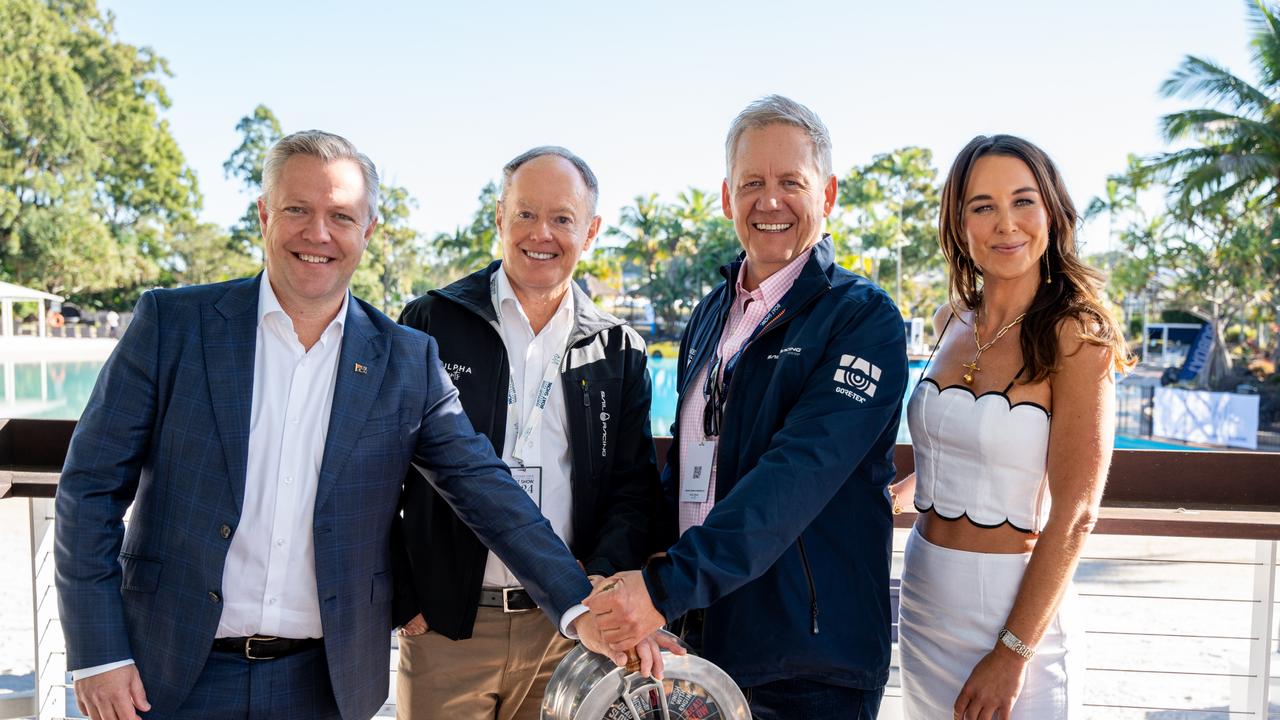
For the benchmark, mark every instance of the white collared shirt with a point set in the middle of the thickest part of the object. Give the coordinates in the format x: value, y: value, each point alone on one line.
x: 269, y: 580
x: 528, y: 355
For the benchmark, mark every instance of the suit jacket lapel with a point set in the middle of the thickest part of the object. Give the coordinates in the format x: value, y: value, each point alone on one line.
x: 361, y: 368
x: 230, y: 335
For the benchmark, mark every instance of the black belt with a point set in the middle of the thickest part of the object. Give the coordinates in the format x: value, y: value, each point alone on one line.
x: 512, y: 599
x: 264, y: 647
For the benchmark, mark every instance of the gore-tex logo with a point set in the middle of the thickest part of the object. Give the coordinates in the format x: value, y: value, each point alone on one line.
x: 859, y: 374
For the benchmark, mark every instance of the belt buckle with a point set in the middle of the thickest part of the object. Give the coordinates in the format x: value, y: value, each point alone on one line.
x: 248, y: 647
x: 506, y: 599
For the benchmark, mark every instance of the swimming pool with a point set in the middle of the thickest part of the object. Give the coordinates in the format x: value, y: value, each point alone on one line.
x: 60, y: 390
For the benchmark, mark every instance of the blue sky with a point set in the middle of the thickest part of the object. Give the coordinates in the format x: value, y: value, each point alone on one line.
x: 440, y: 95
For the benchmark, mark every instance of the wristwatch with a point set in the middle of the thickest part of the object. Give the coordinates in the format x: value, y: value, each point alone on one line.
x: 1011, y: 641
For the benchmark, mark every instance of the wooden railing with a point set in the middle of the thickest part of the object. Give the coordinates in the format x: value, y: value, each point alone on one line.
x: 1149, y: 622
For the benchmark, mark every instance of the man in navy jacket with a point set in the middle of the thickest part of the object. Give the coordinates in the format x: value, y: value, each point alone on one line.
x: 791, y: 376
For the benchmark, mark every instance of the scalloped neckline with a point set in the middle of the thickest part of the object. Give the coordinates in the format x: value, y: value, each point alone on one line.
x: 976, y: 397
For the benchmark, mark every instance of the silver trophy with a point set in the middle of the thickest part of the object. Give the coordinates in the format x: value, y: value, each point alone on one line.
x: 587, y: 686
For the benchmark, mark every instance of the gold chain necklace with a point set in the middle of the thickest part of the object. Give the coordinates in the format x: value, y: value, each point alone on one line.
x: 973, y: 365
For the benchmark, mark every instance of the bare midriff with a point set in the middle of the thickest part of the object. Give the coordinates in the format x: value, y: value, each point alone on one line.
x: 960, y: 534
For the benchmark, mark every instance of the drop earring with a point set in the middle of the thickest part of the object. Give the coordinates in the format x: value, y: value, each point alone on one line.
x: 1048, y: 277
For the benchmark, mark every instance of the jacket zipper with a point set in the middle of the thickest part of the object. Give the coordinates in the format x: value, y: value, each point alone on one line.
x: 813, y: 590
x: 586, y: 412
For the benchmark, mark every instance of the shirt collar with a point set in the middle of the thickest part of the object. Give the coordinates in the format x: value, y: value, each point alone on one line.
x: 773, y: 288
x: 507, y: 298
x: 269, y: 307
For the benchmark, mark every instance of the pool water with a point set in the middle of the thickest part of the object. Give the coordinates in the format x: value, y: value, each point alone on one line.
x: 60, y: 390
x: 663, y: 410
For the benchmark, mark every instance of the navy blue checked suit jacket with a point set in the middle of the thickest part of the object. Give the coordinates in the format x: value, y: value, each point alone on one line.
x: 167, y: 429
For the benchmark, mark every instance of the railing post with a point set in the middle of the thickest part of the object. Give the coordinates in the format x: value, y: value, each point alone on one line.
x: 50, y: 658
x: 1253, y: 695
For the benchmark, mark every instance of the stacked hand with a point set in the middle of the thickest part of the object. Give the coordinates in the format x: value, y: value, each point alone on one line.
x: 623, y: 619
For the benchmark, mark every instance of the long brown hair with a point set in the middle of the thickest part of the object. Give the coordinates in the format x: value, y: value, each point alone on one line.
x: 1076, y: 289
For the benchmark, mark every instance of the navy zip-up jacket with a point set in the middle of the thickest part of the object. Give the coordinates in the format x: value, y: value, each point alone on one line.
x: 792, y: 563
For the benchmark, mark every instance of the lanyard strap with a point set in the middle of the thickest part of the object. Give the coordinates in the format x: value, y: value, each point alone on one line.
x: 526, y: 433
x: 715, y: 389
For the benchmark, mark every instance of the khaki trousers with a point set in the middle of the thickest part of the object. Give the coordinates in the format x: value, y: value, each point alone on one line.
x: 499, y: 673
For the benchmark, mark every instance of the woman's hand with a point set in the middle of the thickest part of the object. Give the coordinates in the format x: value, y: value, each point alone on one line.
x: 902, y: 494
x: 992, y: 688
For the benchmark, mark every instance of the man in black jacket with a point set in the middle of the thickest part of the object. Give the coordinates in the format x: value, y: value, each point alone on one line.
x: 562, y: 391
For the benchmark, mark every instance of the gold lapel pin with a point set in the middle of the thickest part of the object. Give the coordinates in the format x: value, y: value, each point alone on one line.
x: 362, y: 369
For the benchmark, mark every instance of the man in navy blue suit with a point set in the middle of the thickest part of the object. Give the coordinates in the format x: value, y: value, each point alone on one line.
x: 261, y: 430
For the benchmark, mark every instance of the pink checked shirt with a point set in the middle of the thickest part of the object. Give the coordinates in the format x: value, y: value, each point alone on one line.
x: 749, y: 308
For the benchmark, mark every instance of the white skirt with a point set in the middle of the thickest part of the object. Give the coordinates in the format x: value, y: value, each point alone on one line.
x: 953, y: 603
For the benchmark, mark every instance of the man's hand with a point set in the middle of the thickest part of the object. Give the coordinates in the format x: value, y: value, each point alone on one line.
x: 413, y: 628
x: 623, y: 610
x: 112, y: 695
x: 588, y: 629
x: 649, y: 651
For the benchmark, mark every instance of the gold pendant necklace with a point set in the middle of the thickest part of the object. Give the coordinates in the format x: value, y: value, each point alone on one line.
x: 972, y: 365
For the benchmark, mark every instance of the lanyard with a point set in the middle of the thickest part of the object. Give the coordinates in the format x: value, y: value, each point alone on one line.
x: 526, y: 432
x: 715, y: 389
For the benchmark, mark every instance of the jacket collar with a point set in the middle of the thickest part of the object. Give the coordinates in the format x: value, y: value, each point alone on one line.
x: 815, y: 278
x: 817, y: 269
x: 472, y: 292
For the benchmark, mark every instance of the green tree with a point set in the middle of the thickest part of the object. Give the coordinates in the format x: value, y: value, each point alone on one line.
x: 466, y: 249
x: 1233, y: 146
x: 258, y: 132
x: 90, y: 174
x: 1136, y: 241
x: 891, y: 211
x: 386, y: 273
x: 205, y: 253
x: 1224, y: 185
x: 675, y: 249
x: 1221, y: 268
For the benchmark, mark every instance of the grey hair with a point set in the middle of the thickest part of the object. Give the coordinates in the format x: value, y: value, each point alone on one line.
x: 326, y: 146
x: 588, y: 177
x: 775, y: 109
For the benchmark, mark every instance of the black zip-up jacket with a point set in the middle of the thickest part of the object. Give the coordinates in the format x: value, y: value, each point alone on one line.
x: 614, y: 474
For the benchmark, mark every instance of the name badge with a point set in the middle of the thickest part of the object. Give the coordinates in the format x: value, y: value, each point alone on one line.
x: 695, y: 476
x: 530, y: 480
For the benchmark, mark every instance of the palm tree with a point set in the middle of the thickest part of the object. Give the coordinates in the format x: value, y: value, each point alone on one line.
x: 1235, y: 150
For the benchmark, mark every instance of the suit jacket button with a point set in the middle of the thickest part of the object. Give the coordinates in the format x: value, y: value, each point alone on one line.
x: 225, y: 531
x: 214, y: 597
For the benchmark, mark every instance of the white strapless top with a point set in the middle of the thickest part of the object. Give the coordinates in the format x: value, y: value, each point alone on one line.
x: 979, y: 457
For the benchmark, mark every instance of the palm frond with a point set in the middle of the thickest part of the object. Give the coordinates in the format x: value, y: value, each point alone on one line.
x: 1198, y: 77
x: 1217, y: 124
x: 1266, y: 40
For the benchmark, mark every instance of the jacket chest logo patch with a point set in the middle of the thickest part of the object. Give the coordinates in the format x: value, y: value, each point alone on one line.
x: 456, y: 370
x: 856, y: 378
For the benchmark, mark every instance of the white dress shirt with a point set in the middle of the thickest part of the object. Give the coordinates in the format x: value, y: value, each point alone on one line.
x: 528, y: 355
x: 269, y: 579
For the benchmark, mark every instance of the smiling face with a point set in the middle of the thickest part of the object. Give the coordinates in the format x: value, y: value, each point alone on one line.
x: 777, y: 197
x: 315, y: 226
x: 1006, y: 225
x: 546, y: 224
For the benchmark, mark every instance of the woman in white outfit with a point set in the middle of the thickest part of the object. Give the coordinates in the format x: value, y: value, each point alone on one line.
x: 1012, y: 426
